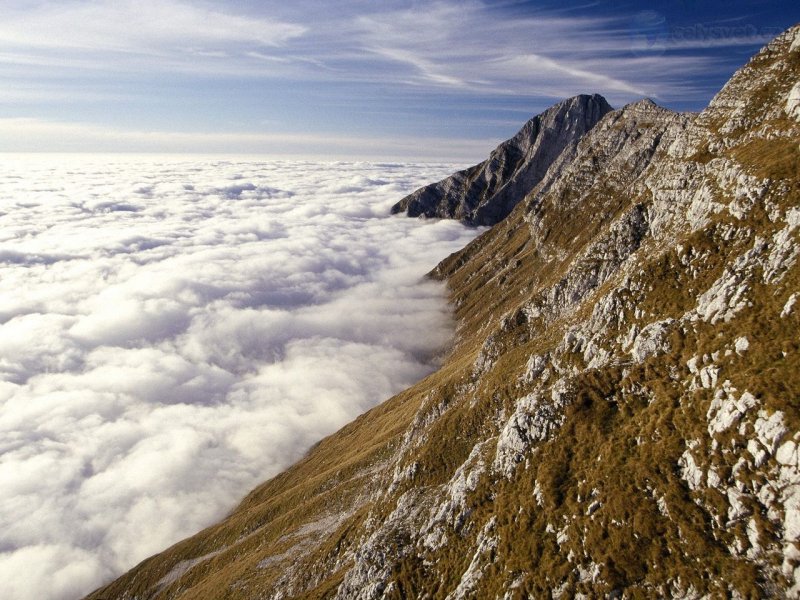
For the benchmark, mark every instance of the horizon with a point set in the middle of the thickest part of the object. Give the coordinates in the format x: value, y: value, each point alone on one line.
x: 435, y: 82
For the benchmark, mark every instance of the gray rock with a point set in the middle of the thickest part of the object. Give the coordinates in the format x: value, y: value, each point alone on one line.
x: 652, y: 340
x: 487, y: 192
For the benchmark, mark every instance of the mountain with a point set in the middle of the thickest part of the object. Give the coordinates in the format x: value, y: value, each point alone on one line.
x: 618, y: 416
x: 486, y: 193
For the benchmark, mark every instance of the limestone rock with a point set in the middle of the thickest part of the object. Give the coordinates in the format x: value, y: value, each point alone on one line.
x: 793, y: 102
x: 486, y: 193
x: 652, y: 340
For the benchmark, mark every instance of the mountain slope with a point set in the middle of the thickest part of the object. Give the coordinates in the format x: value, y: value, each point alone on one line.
x: 487, y: 192
x: 619, y: 415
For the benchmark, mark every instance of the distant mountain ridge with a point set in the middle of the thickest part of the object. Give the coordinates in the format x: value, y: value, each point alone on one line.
x: 487, y: 192
x: 619, y: 416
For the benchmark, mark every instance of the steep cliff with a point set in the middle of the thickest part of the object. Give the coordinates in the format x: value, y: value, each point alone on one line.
x: 487, y: 192
x: 619, y: 415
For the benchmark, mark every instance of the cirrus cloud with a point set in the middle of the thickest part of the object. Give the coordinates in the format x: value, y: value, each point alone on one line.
x: 140, y: 27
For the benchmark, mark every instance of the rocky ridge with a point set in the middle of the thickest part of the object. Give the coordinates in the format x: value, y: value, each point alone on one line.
x: 487, y: 192
x: 619, y: 415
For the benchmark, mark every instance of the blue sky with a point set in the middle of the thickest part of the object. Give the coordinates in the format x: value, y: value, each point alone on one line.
x: 353, y: 79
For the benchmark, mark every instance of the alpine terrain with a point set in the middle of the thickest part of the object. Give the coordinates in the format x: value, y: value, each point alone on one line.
x: 619, y: 415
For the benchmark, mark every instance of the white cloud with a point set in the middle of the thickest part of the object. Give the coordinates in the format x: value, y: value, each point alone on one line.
x: 140, y: 26
x: 453, y: 46
x: 472, y: 48
x: 165, y: 323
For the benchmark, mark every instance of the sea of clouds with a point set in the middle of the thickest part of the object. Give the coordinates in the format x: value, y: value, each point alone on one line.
x: 175, y: 331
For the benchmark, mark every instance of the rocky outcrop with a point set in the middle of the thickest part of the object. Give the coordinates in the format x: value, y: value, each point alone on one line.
x: 486, y: 193
x: 620, y: 415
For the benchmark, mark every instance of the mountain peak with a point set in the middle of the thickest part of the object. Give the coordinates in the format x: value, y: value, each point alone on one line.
x: 487, y: 192
x: 758, y: 93
x: 644, y: 104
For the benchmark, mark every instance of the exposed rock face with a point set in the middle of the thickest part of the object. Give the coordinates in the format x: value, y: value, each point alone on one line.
x: 620, y: 416
x: 486, y: 193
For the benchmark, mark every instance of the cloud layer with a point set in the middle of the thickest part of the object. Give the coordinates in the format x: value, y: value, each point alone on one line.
x: 172, y: 333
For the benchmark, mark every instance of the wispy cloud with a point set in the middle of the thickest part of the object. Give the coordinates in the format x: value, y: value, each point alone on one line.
x: 140, y: 27
x: 469, y: 46
x: 108, y: 38
x: 325, y: 66
x: 445, y: 44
